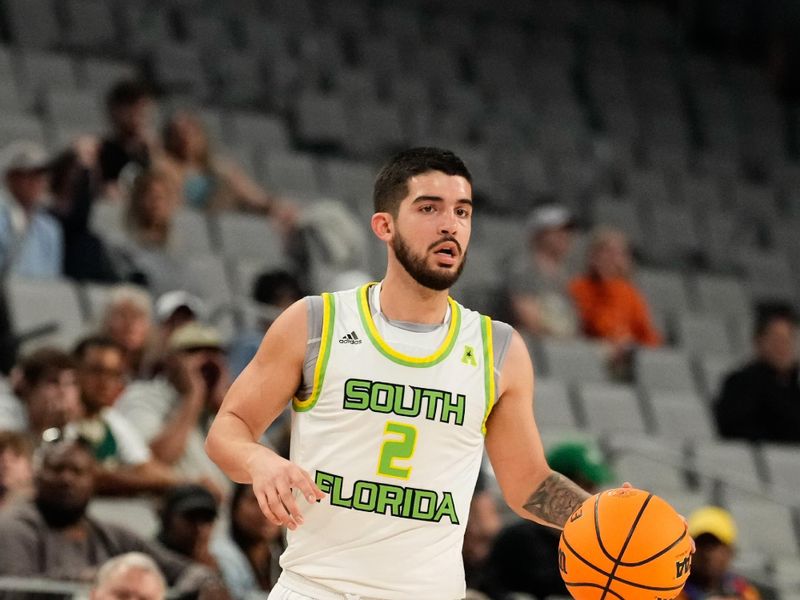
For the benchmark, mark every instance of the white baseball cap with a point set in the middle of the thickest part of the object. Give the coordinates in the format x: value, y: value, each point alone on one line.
x: 549, y: 216
x: 169, y: 302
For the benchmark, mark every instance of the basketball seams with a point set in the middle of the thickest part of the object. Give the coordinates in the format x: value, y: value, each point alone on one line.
x: 657, y: 554
x: 593, y: 585
x: 597, y: 530
x: 625, y: 543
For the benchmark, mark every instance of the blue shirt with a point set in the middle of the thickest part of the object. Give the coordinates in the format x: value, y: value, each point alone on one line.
x: 41, y: 249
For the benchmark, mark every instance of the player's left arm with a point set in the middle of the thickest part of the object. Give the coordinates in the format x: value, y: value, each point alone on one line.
x: 530, y: 487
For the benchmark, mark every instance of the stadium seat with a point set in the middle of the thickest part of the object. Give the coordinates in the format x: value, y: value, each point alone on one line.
x: 350, y: 181
x: 671, y: 234
x: 99, y: 74
x: 786, y: 571
x: 621, y: 214
x: 574, y: 361
x: 264, y: 133
x: 722, y: 295
x: 137, y: 513
x: 783, y: 466
x: 32, y: 23
x: 292, y: 174
x: 374, y: 129
x: 20, y: 126
x: 611, y: 408
x: 44, y: 303
x: 40, y: 71
x: 765, y: 526
x: 74, y: 109
x: 250, y: 237
x: 703, y: 333
x: 321, y: 120
x: 237, y: 79
x: 90, y: 26
x: 664, y: 370
x: 731, y: 462
x: 713, y: 370
x: 682, y: 419
x: 768, y: 276
x: 552, y: 405
x: 648, y: 462
x: 190, y: 233
x: 665, y: 290
x: 178, y: 68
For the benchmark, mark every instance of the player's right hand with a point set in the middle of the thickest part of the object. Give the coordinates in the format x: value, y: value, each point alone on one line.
x: 274, y: 480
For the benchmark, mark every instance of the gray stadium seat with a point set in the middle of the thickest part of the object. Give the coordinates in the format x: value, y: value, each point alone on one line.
x: 39, y: 71
x: 373, y: 129
x: 73, y: 108
x: 350, y: 181
x: 671, y: 235
x: 682, y: 420
x: 783, y: 466
x: 664, y: 370
x: 35, y: 303
x: 89, y: 25
x: 765, y: 526
x: 207, y: 277
x: 768, y: 276
x: 21, y: 126
x: 179, y: 69
x: 95, y: 297
x: 32, y: 23
x: 650, y: 463
x: 786, y: 570
x: 99, y: 74
x: 190, y: 233
x: 621, y: 214
x: 731, y: 462
x: 722, y: 295
x: 237, y: 79
x: 664, y: 290
x: 291, y: 173
x: 264, y: 133
x: 552, y: 406
x: 574, y: 360
x: 321, y: 119
x: 714, y: 369
x: 611, y: 408
x: 130, y: 513
x: 250, y: 237
x: 703, y: 333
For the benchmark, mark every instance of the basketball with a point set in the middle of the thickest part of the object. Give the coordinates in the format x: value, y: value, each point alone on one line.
x: 626, y: 544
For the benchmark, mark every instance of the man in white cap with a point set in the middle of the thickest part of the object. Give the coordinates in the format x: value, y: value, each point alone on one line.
x: 538, y: 281
x: 31, y: 240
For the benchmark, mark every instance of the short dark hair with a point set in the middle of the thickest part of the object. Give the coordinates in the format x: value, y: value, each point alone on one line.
x: 269, y: 286
x: 39, y: 364
x: 96, y: 341
x: 16, y: 441
x: 768, y: 312
x: 391, y: 185
x: 127, y: 92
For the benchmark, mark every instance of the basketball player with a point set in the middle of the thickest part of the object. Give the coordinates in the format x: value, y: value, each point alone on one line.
x: 396, y: 389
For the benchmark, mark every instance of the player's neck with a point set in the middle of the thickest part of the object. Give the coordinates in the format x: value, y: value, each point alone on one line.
x: 403, y: 299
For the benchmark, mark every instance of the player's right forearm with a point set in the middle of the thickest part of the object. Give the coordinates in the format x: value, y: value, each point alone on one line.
x: 233, y: 447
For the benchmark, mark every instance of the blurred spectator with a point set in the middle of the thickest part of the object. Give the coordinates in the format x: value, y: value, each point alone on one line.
x: 132, y: 139
x: 274, y: 292
x: 74, y: 186
x: 609, y: 305
x: 46, y: 390
x: 761, y: 401
x: 714, y: 533
x: 147, y: 256
x: 130, y: 576
x: 173, y: 310
x: 52, y: 535
x: 128, y: 320
x: 31, y: 240
x: 16, y: 470
x: 518, y: 546
x: 173, y: 412
x: 187, y: 519
x: 483, y: 525
x: 539, y: 279
x: 248, y: 558
x: 209, y: 182
x: 126, y: 465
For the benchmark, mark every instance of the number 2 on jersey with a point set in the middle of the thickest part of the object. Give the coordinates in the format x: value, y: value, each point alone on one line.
x: 400, y: 447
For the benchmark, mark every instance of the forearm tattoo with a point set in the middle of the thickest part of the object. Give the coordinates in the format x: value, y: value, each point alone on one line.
x: 555, y: 500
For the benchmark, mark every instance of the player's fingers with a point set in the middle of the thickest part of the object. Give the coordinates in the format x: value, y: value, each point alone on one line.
x: 264, y: 506
x: 627, y: 484
x: 287, y: 497
x: 303, y: 481
x: 278, y: 509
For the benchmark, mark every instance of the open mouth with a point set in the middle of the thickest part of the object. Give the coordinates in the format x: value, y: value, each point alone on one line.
x: 446, y: 253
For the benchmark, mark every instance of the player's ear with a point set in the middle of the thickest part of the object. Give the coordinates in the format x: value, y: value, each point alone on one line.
x: 383, y: 225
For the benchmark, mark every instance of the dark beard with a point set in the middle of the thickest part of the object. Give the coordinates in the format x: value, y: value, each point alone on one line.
x: 419, y: 271
x: 59, y: 516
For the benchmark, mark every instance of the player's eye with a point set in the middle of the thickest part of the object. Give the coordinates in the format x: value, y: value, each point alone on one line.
x: 462, y: 212
x: 427, y: 208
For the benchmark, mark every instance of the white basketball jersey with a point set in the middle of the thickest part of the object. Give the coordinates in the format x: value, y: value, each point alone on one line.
x: 395, y: 442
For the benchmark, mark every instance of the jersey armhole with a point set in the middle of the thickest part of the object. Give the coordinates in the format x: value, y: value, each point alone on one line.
x: 323, y: 332
x: 496, y: 337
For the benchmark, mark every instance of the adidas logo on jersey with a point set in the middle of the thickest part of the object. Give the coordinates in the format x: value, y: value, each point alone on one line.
x: 350, y: 338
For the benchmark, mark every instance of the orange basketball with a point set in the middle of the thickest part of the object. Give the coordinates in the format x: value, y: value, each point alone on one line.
x: 625, y: 544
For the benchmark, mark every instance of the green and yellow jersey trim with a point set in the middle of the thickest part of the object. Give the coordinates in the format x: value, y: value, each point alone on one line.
x: 488, y: 367
x: 404, y: 359
x: 328, y: 315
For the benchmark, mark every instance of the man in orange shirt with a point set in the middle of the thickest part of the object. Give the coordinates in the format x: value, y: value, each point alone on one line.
x: 610, y: 307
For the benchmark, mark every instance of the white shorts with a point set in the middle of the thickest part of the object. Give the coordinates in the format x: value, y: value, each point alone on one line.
x: 293, y: 587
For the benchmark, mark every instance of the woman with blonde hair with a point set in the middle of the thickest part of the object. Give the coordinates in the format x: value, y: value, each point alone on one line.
x: 128, y: 320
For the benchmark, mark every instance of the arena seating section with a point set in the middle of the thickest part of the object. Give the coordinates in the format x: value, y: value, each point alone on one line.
x: 598, y: 105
